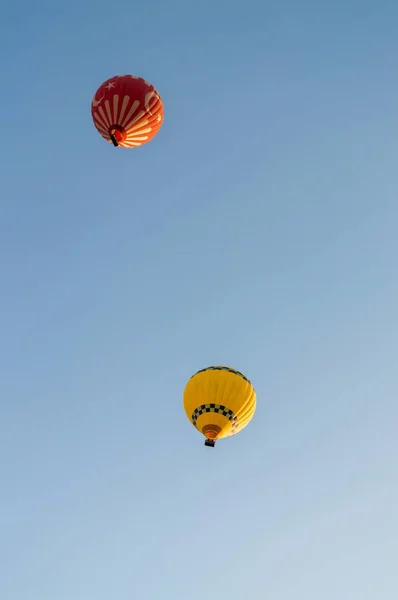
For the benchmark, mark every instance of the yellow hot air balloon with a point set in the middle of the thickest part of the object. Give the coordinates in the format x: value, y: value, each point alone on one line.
x: 219, y: 402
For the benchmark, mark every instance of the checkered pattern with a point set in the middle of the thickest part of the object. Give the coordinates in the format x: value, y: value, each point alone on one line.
x: 223, y: 369
x: 217, y: 408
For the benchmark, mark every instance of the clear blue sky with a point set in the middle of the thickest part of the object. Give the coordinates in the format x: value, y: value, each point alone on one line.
x: 258, y: 230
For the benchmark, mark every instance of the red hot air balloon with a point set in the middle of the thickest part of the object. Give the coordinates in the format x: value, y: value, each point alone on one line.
x: 127, y: 111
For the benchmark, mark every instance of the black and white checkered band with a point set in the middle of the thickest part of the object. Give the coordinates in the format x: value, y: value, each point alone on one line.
x: 216, y: 408
x: 228, y: 369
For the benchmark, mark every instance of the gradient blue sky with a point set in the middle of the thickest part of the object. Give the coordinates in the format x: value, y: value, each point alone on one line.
x: 259, y: 230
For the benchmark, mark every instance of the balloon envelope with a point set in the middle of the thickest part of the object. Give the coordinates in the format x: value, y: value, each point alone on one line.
x: 219, y: 402
x: 127, y: 111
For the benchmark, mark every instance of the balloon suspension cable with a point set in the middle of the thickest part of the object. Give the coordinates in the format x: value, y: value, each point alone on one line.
x: 114, y: 140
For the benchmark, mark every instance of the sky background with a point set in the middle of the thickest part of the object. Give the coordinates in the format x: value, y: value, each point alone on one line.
x: 257, y: 230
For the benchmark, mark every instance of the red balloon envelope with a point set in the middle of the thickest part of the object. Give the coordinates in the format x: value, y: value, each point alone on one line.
x: 127, y: 111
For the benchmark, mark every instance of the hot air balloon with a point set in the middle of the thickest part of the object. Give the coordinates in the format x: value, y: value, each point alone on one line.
x: 127, y: 111
x: 219, y: 402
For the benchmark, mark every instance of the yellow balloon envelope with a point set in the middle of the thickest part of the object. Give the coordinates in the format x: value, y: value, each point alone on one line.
x: 219, y: 402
